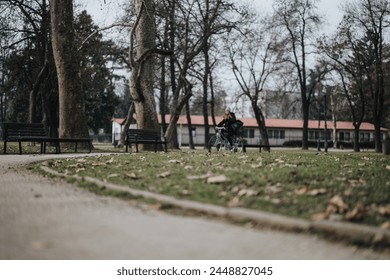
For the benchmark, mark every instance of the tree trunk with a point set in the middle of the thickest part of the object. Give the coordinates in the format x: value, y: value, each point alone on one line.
x: 72, y: 118
x: 142, y: 76
x: 259, y: 116
x: 129, y: 120
x: 190, y: 136
x: 305, y: 130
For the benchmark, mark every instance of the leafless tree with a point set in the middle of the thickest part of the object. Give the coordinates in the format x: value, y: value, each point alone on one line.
x: 299, y: 21
x: 254, y: 58
x: 368, y: 20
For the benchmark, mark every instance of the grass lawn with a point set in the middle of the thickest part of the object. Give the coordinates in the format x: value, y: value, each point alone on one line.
x: 306, y: 184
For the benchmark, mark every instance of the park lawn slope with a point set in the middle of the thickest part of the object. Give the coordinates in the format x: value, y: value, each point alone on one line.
x: 339, y: 186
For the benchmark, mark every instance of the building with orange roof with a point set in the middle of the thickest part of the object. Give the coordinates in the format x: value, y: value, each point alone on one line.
x: 281, y: 132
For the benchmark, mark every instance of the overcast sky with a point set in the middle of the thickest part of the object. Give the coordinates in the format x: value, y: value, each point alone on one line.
x: 105, y: 13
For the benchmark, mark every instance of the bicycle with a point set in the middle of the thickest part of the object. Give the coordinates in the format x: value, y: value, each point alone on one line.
x: 219, y: 142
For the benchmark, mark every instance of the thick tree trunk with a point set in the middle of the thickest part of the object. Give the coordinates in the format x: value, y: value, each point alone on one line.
x: 142, y: 76
x: 261, y: 123
x: 72, y: 118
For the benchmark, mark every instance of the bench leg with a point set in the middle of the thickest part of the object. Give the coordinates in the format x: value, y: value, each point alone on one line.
x: 75, y: 147
x: 58, y: 147
x: 20, y: 148
x: 90, y: 146
x: 5, y: 147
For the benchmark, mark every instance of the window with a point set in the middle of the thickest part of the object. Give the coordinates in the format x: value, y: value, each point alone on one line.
x: 194, y: 132
x: 249, y: 133
x: 345, y: 136
x: 276, y: 134
x: 364, y: 137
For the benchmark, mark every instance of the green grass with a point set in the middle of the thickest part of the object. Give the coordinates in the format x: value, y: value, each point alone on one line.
x: 35, y: 148
x: 296, y: 183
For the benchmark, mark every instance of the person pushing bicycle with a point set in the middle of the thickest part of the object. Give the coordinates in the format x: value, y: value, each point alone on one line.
x: 229, y: 118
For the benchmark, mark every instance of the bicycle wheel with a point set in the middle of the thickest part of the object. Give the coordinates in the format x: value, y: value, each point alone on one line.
x: 214, y: 144
x: 238, y: 143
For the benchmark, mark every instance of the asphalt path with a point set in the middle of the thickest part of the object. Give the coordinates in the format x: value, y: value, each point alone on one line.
x: 46, y: 219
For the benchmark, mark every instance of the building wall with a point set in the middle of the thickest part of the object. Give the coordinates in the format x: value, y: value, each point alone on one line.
x: 277, y: 136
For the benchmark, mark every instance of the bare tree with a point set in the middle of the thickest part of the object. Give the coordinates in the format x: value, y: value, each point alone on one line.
x: 299, y: 19
x: 253, y: 60
x: 370, y: 19
x: 349, y: 60
x: 197, y: 22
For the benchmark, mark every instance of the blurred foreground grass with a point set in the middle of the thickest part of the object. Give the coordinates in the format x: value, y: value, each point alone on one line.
x: 311, y: 185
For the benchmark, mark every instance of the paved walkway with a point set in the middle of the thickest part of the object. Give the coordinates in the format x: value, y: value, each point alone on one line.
x: 45, y: 219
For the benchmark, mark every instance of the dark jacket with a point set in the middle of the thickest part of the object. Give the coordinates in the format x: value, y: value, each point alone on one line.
x: 228, y: 121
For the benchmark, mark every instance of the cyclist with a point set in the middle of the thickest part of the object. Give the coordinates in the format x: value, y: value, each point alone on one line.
x: 229, y: 118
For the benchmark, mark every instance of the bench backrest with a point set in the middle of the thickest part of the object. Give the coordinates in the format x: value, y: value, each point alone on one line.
x: 144, y: 134
x: 19, y: 130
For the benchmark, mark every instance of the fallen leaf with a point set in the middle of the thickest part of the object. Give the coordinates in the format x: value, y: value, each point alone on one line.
x: 175, y: 161
x: 357, y: 183
x: 320, y: 216
x: 234, y: 202
x: 217, y: 179
x: 77, y: 165
x: 199, y: 177
x: 384, y: 210
x: 186, y: 192
x: 301, y: 191
x: 317, y: 192
x: 276, y: 201
x: 338, y: 203
x: 247, y: 193
x: 274, y: 189
x: 356, y: 213
x: 132, y: 176
x: 98, y: 164
x: 348, y: 193
x: 223, y: 194
x: 385, y: 225
x: 110, y: 161
x: 164, y: 175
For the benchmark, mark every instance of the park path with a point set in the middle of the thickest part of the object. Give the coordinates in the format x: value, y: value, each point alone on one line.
x: 45, y: 219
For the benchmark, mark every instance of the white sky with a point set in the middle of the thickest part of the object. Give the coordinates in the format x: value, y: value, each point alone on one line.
x: 105, y: 12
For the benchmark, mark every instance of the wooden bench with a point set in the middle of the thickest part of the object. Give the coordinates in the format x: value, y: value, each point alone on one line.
x: 144, y: 136
x: 35, y: 132
x: 260, y: 146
